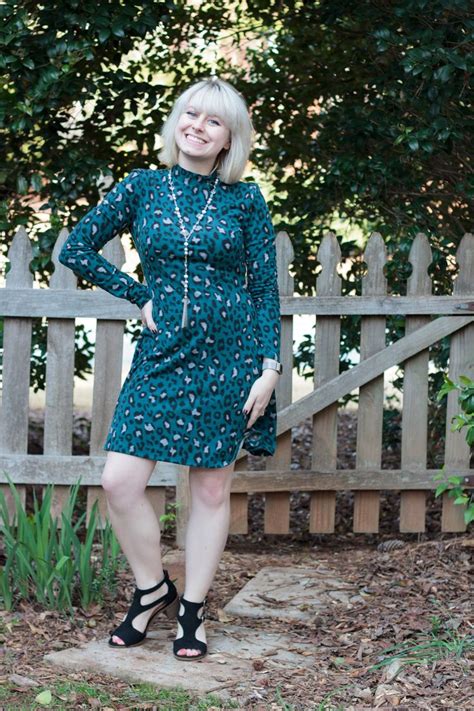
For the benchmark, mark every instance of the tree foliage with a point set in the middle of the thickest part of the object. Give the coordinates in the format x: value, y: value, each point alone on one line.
x: 363, y: 113
x: 366, y: 113
x: 85, y: 89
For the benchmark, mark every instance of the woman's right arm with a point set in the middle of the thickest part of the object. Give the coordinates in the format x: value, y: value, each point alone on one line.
x: 110, y: 217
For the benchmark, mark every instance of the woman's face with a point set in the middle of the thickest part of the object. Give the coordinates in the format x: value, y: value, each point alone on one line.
x: 201, y: 135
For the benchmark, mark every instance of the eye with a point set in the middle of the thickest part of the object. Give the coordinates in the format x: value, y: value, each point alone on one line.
x: 215, y: 121
x: 190, y: 112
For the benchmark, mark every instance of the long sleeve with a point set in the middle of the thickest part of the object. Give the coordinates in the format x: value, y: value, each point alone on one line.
x: 110, y: 217
x: 262, y: 278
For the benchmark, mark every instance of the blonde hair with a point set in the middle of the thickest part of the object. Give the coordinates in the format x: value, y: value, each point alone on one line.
x: 216, y: 97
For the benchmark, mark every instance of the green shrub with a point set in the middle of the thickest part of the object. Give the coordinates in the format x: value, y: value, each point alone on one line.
x: 465, y: 419
x: 57, y: 567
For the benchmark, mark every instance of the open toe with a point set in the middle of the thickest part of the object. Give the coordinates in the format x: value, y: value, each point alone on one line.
x: 168, y: 603
x: 187, y: 645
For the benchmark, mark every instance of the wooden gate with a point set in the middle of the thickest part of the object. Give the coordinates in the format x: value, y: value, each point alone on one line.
x: 427, y: 320
x: 367, y: 480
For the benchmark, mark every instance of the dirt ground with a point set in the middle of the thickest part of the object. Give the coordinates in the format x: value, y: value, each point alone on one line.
x: 412, y: 593
x: 415, y: 592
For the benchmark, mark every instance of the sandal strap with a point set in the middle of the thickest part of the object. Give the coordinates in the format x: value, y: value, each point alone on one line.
x: 193, y: 608
x: 139, y: 592
x: 144, y: 591
x: 129, y: 634
x: 190, y: 622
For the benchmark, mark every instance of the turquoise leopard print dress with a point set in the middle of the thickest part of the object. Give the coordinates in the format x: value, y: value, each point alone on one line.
x: 183, y: 396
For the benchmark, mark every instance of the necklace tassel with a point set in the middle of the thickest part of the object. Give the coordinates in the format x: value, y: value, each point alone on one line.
x: 184, y: 319
x: 187, y: 234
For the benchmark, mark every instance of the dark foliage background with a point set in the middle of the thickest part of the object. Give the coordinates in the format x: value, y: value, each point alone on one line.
x: 363, y: 114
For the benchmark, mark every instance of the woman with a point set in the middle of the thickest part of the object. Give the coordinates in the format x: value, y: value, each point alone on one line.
x: 207, y: 357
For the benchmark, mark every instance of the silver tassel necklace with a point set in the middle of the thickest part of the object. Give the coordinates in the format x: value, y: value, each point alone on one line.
x: 187, y: 234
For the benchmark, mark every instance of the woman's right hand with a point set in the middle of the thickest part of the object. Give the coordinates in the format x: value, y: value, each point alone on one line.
x: 147, y: 316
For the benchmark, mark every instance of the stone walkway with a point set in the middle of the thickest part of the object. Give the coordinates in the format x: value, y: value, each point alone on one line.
x: 228, y: 667
x: 289, y: 593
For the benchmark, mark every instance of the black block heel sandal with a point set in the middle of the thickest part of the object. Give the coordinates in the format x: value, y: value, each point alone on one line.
x: 190, y: 621
x: 167, y: 603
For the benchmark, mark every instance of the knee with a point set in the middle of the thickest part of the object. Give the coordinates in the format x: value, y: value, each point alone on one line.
x: 115, y: 481
x: 212, y: 494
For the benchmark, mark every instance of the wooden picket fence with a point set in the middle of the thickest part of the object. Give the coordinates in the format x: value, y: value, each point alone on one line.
x: 427, y: 320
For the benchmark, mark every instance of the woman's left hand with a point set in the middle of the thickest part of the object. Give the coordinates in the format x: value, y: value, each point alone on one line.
x: 260, y: 394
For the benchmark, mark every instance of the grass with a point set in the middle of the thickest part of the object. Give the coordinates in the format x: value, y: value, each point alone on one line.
x: 69, y: 694
x: 441, y: 642
x: 322, y: 706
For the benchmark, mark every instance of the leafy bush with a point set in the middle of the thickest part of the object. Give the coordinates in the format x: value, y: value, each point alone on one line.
x: 465, y: 419
x: 57, y: 567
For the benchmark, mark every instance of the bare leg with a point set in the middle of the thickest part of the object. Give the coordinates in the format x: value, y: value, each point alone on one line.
x: 206, y: 534
x: 131, y: 514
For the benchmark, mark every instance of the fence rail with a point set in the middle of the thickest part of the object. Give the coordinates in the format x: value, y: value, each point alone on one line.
x: 62, y: 303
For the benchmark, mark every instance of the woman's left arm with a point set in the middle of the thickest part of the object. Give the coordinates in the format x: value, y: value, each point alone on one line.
x: 262, y: 283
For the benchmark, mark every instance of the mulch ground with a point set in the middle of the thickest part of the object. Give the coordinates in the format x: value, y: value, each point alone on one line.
x: 414, y: 589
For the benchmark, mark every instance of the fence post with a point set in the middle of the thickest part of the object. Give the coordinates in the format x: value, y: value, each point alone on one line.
x: 17, y: 337
x: 415, y: 393
x: 370, y: 410
x: 326, y: 367
x: 108, y: 355
x: 59, y: 385
x: 461, y: 362
x: 277, y: 504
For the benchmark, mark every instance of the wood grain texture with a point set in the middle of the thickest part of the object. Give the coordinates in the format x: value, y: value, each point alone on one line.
x: 326, y: 368
x: 108, y: 359
x: 42, y: 469
x: 239, y: 513
x: 415, y: 393
x: 17, y: 338
x: 89, y: 302
x: 371, y: 395
x: 461, y: 362
x: 367, y: 370
x: 59, y: 395
x: 63, y: 302
x: 277, y: 505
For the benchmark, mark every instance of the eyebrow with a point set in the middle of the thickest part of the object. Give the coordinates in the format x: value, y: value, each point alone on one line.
x: 190, y: 106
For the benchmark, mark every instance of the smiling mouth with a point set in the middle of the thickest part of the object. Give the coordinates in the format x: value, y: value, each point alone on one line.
x: 195, y: 139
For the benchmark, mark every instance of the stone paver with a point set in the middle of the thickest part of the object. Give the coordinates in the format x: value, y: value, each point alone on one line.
x: 287, y: 593
x: 227, y: 668
x: 291, y: 593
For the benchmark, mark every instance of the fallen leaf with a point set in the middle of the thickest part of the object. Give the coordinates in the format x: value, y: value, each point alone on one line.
x: 44, y: 697
x: 222, y: 616
x: 386, y: 694
x: 392, y: 670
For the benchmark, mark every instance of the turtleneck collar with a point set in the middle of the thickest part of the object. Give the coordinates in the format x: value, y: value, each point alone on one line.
x: 177, y: 171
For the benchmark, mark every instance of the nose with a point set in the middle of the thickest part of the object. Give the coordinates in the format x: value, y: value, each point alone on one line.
x: 197, y: 123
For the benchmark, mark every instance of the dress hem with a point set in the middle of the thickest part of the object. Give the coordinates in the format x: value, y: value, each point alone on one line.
x: 172, y: 460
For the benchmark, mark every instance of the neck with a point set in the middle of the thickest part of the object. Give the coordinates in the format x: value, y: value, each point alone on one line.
x: 201, y: 167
